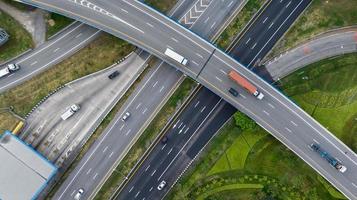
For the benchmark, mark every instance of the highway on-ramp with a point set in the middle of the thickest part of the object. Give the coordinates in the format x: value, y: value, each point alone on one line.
x: 58, y: 48
x: 276, y: 113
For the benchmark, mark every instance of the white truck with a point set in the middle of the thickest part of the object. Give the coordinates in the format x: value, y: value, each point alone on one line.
x: 70, y: 111
x: 9, y: 69
x: 177, y: 57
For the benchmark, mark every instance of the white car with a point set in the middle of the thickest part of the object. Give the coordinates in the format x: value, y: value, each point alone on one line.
x: 161, y: 185
x: 79, y: 194
x: 125, y: 116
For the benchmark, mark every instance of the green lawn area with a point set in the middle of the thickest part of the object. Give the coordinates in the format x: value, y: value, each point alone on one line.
x: 56, y: 22
x: 162, y: 5
x: 328, y: 91
x: 20, y: 40
x: 322, y: 15
x: 238, y: 23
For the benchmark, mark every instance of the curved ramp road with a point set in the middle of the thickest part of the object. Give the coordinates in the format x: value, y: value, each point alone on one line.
x: 65, y: 44
x: 277, y: 114
x: 325, y: 46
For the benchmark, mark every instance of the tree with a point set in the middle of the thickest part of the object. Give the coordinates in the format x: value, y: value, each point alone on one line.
x: 244, y: 122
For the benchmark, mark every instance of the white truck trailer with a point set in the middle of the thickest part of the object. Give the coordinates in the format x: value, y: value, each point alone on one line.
x: 70, y: 111
x: 177, y: 57
x: 9, y: 69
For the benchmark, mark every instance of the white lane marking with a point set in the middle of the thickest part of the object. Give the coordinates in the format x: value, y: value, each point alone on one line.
x: 105, y: 149
x: 162, y: 88
x: 271, y: 105
x: 124, y: 10
x: 244, y: 97
x: 147, y: 168
x: 197, y: 104
x: 127, y: 133
x: 265, y: 20
x: 34, y: 63
x: 199, y: 55
x: 155, y: 84
x: 230, y: 4
x: 220, y: 80
x: 186, y: 130
x: 288, y: 129
x: 89, y: 171
x: 221, y: 70
x: 181, y: 129
x: 194, y: 62
x: 151, y: 189
x: 206, y: 20
x: 95, y: 176
x: 137, y: 194
x: 255, y: 44
x: 56, y: 50
x: 180, y: 125
x: 315, y: 141
x: 293, y: 123
x: 174, y: 39
x: 288, y: 4
x: 169, y: 151
x: 152, y: 174
x: 203, y: 109
x: 163, y: 147
x: 122, y: 126
x: 73, y: 192
x: 213, y: 25
x: 138, y: 106
x: 271, y: 25
x: 248, y: 41
x: 266, y: 112
x: 131, y: 189
x: 354, y: 185
x: 111, y: 154
x: 144, y: 111
x: 79, y: 35
x: 152, y: 26
x: 176, y: 123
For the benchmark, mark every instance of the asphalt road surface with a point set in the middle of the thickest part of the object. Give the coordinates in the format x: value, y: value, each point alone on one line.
x: 60, y: 47
x: 328, y: 45
x: 145, y: 27
x: 142, y: 105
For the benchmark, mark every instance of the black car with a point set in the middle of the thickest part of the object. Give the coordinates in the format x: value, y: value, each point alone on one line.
x: 233, y: 92
x: 113, y: 75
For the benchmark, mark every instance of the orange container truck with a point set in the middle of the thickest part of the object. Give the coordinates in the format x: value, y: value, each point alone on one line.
x: 245, y: 84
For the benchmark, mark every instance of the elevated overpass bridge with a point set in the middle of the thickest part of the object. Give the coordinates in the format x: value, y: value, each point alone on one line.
x: 142, y: 26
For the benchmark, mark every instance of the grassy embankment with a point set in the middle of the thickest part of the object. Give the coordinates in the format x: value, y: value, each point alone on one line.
x: 236, y: 158
x: 321, y: 16
x: 56, y: 23
x: 234, y: 28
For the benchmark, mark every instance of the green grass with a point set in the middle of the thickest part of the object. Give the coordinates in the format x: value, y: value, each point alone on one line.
x: 318, y: 18
x: 227, y: 188
x: 162, y: 5
x: 326, y: 90
x: 238, y: 23
x: 20, y: 40
x: 56, y: 22
x: 146, y: 139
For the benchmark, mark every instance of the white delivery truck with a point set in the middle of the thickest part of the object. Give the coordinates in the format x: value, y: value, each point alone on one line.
x: 170, y: 53
x: 70, y: 111
x: 9, y: 69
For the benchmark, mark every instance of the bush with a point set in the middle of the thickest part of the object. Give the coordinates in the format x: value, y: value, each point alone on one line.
x: 244, y: 122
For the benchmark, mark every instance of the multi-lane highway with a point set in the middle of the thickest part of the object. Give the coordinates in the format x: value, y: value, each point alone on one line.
x: 208, y: 126
x: 161, y: 81
x: 63, y: 45
x: 145, y: 27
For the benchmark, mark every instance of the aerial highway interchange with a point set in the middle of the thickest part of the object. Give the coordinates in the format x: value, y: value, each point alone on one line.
x: 154, y: 32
